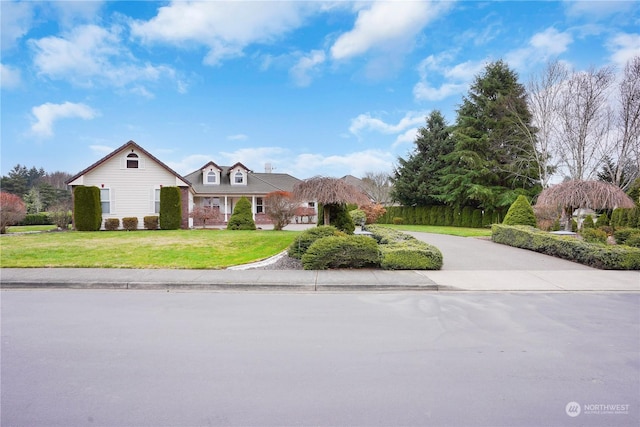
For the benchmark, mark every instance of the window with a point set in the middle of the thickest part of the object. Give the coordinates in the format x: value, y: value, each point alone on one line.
x: 132, y: 161
x: 211, y: 177
x: 312, y: 204
x: 259, y: 205
x: 239, y: 177
x: 105, y: 201
x: 157, y: 201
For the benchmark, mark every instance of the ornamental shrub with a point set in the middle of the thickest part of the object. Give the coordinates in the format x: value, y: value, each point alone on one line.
x: 467, y: 213
x: 170, y: 208
x: 111, y: 224
x: 476, y: 218
x: 12, y: 210
x: 622, y: 234
x: 41, y: 218
x: 347, y: 251
x: 633, y: 240
x: 130, y: 223
x: 338, y: 217
x: 401, y: 251
x: 358, y: 216
x: 608, y: 257
x: 587, y: 222
x: 87, y: 209
x: 520, y: 213
x: 594, y: 235
x: 398, y: 220
x: 305, y: 239
x: 603, y: 220
x: 150, y: 222
x: 242, y: 218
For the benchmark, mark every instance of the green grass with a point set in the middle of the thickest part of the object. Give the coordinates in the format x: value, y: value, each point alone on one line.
x: 189, y: 249
x: 28, y: 228
x: 453, y: 231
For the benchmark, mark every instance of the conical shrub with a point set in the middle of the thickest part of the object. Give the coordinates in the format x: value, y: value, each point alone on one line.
x: 520, y: 213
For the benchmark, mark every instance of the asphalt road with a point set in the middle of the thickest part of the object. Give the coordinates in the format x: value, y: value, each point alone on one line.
x: 150, y: 358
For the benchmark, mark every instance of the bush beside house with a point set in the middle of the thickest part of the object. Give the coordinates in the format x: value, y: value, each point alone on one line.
x: 241, y: 218
x: 87, y: 209
x: 170, y: 208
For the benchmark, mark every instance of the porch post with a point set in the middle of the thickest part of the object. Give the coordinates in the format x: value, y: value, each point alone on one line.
x: 253, y: 207
x: 225, y: 208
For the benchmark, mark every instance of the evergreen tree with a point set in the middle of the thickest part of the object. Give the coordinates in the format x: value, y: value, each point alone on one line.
x: 492, y: 161
x: 415, y: 179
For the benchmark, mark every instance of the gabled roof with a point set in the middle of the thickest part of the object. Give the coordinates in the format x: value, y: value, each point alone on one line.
x: 211, y: 163
x: 128, y: 145
x: 238, y: 164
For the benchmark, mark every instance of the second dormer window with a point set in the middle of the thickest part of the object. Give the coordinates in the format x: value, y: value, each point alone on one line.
x: 211, y: 177
x: 132, y: 161
x: 239, y: 178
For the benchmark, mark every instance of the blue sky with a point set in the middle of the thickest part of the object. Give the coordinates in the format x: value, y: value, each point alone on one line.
x: 313, y: 87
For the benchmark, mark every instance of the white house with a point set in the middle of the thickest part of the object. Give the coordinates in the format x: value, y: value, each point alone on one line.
x: 130, y: 179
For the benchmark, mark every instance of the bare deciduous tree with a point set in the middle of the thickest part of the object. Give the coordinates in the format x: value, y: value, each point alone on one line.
x: 543, y: 96
x: 328, y: 191
x: 625, y: 150
x: 377, y: 186
x: 584, y: 118
x: 280, y: 207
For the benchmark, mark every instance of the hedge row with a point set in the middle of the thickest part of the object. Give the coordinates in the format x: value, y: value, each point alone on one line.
x: 608, y: 257
x: 41, y: 218
x: 441, y: 216
x: 325, y: 247
x: 131, y: 223
x: 626, y: 218
x: 400, y: 251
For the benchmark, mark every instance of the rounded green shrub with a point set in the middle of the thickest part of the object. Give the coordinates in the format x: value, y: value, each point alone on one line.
x: 170, y: 208
x: 242, y: 218
x: 398, y: 220
x: 603, y: 220
x: 87, y: 210
x: 587, y: 222
x: 622, y: 234
x: 633, y: 240
x: 305, y: 239
x: 410, y: 255
x: 358, y: 216
x: 520, y: 213
x: 594, y: 235
x: 342, y: 252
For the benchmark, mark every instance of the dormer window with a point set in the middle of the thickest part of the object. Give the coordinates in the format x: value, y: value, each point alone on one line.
x: 238, y: 177
x: 132, y: 161
x: 212, y: 177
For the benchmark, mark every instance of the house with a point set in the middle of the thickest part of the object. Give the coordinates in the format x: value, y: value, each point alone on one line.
x: 130, y: 179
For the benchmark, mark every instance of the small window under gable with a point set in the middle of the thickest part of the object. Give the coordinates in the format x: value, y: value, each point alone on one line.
x: 132, y: 161
x: 212, y: 177
x: 211, y: 174
x: 238, y: 178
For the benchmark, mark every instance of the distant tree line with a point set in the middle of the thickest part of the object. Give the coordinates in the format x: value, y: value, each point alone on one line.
x: 41, y: 191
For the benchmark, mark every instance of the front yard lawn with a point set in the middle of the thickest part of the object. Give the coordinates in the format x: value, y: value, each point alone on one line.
x: 453, y: 231
x: 190, y: 249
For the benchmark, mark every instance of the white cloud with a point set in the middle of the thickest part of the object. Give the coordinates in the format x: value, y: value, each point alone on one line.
x: 46, y: 114
x: 71, y: 12
x: 624, y: 47
x: 387, y: 26
x: 452, y: 80
x: 541, y: 47
x: 226, y: 28
x: 237, y: 137
x: 365, y: 122
x: 408, y: 137
x: 356, y: 164
x: 90, y: 55
x: 16, y: 20
x: 597, y: 9
x: 190, y: 163
x: 305, y: 67
x: 9, y: 77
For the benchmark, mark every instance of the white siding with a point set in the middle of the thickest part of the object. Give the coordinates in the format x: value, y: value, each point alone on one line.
x: 132, y: 189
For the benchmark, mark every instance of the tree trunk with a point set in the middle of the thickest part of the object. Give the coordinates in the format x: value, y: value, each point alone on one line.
x: 325, y: 211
